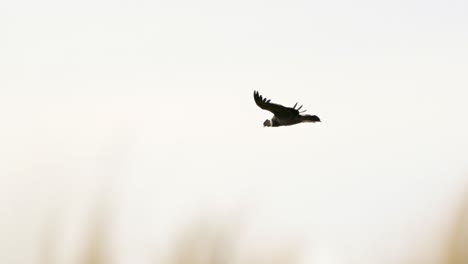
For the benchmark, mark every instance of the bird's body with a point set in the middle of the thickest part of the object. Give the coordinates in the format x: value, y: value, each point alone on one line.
x: 283, y: 116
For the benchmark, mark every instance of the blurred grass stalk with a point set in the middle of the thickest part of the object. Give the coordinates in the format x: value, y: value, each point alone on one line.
x: 458, y: 245
x: 95, y: 247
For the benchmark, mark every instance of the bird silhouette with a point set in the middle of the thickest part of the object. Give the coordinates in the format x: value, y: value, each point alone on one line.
x: 283, y: 116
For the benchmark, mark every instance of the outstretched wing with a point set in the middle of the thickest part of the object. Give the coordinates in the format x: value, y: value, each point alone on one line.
x: 276, y: 109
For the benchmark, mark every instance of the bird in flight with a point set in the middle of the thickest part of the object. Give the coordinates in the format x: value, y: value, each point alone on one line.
x: 283, y: 116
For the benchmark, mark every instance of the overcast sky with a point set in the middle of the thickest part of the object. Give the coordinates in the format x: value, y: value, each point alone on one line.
x: 156, y: 97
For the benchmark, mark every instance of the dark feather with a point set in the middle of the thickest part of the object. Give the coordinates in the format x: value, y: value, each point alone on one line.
x: 276, y: 109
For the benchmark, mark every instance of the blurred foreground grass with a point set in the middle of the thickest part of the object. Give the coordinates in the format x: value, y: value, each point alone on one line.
x: 211, y: 242
x: 202, y: 242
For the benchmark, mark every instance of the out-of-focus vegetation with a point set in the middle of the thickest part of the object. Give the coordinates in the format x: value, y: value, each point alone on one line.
x: 210, y: 242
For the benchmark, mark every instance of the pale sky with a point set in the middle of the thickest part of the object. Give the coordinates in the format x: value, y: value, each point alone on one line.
x: 154, y: 100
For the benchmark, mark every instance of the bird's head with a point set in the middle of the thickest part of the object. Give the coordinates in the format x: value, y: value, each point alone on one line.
x: 267, y: 123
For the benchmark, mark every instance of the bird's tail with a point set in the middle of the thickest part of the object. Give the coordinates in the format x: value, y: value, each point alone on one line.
x: 310, y: 118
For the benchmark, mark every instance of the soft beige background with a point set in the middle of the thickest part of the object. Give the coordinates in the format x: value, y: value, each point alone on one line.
x: 140, y: 114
